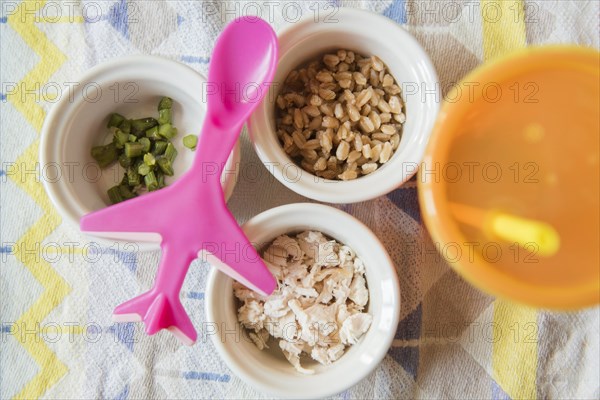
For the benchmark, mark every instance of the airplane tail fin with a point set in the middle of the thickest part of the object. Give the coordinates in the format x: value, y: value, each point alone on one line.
x: 158, y: 311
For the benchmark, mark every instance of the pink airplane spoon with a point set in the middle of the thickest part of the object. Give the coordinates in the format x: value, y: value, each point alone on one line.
x: 191, y: 215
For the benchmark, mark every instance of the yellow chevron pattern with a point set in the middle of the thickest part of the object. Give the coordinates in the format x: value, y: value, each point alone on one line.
x: 503, y: 27
x: 55, y: 288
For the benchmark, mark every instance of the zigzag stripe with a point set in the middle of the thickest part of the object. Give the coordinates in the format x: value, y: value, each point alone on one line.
x: 55, y: 288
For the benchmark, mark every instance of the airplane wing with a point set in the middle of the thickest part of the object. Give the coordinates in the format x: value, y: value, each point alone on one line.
x: 140, y: 214
x: 230, y: 251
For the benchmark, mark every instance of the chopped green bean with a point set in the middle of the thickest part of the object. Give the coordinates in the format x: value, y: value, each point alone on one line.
x: 144, y: 169
x: 165, y: 103
x: 149, y: 159
x: 140, y: 126
x: 105, y: 155
x: 125, y: 126
x: 114, y: 194
x: 146, y: 143
x: 167, y: 131
x: 150, y: 181
x: 164, y: 116
x: 133, y: 178
x: 120, y: 138
x: 115, y: 120
x: 170, y: 152
x: 132, y: 138
x: 124, y: 161
x: 161, y: 179
x: 159, y: 147
x: 126, y: 192
x: 165, y: 165
x: 190, y: 141
x: 152, y: 133
x: 134, y: 149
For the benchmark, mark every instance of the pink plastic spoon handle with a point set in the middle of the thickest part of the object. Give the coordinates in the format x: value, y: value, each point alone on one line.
x: 191, y: 215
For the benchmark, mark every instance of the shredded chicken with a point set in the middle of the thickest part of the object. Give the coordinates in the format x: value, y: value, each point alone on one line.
x: 319, y: 306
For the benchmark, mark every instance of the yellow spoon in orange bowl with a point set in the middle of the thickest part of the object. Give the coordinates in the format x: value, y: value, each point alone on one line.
x: 532, y: 235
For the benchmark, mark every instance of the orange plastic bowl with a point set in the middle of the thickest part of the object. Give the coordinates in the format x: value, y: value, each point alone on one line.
x: 521, y: 135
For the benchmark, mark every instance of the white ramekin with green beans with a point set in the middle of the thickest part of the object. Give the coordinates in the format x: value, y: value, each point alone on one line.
x: 131, y: 116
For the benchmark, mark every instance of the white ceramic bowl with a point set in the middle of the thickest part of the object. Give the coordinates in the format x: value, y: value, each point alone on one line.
x: 268, y: 370
x: 368, y: 34
x: 131, y: 86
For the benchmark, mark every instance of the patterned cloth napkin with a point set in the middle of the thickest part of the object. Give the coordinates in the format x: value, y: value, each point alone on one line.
x: 57, y: 339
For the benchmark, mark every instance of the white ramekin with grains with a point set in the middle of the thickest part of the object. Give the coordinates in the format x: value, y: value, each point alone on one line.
x: 400, y: 139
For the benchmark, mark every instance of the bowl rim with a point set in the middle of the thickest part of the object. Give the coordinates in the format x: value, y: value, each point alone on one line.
x: 380, y: 182
x: 48, y: 152
x: 442, y: 227
x: 216, y: 277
